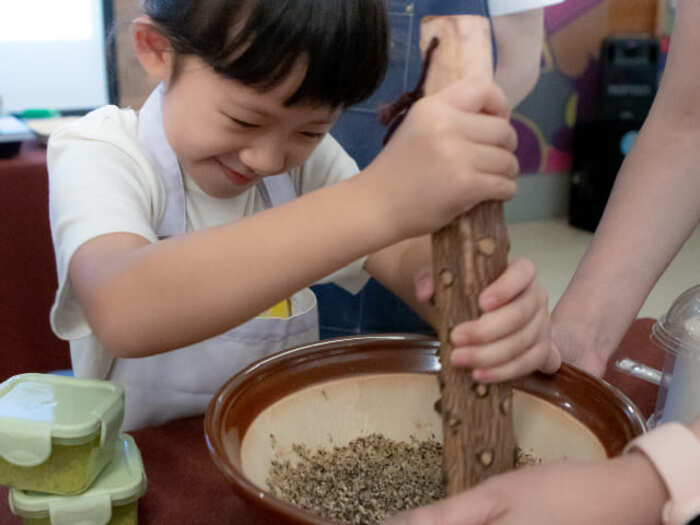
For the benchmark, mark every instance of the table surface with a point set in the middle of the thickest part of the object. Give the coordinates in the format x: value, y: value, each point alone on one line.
x: 184, y: 482
x: 31, y: 154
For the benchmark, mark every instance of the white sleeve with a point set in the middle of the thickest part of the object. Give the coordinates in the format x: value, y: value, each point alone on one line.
x: 507, y: 7
x: 330, y: 164
x: 95, y: 188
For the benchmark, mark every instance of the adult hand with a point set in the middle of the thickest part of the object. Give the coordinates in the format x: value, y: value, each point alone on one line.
x: 626, y: 490
x: 575, y: 350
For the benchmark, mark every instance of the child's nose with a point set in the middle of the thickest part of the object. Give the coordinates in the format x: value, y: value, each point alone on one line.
x: 264, y: 159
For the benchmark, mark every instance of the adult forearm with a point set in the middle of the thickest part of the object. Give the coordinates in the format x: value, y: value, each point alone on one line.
x: 652, y: 210
x: 651, y: 213
x: 519, y: 39
x: 650, y: 487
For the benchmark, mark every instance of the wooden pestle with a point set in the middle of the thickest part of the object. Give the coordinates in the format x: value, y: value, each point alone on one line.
x: 468, y: 255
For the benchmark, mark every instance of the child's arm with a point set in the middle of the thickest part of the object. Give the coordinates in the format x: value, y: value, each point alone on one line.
x: 141, y: 298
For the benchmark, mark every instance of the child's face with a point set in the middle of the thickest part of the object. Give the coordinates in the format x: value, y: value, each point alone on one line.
x: 227, y: 136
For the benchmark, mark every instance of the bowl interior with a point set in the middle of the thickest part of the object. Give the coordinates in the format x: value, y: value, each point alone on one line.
x: 332, y: 392
x: 398, y: 406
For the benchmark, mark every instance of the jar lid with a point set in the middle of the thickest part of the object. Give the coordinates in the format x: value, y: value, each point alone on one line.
x: 123, y: 481
x: 38, y: 409
x: 678, y: 331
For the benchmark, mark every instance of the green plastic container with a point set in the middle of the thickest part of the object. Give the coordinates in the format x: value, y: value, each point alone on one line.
x: 111, y: 500
x: 57, y: 433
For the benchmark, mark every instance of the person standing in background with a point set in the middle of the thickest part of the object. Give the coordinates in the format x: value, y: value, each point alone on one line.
x: 653, y: 209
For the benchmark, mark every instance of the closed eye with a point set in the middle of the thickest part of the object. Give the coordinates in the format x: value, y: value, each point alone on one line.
x: 245, y: 124
x: 312, y: 134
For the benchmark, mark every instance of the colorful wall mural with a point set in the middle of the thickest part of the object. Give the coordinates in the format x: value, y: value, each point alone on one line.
x: 566, y: 91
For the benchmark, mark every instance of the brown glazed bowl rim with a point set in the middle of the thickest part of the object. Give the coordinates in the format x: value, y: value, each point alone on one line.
x: 272, y: 378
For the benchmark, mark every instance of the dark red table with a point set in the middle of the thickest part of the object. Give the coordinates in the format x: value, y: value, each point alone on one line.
x: 184, y: 486
x: 27, y: 267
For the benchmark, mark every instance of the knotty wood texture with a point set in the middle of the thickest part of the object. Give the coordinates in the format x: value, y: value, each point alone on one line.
x: 468, y: 254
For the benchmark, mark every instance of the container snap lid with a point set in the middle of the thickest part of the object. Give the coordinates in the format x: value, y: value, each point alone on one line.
x: 678, y: 331
x: 121, y: 482
x: 25, y: 443
x: 35, y: 408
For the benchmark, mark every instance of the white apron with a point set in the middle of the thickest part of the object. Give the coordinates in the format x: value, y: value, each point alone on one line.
x: 181, y: 383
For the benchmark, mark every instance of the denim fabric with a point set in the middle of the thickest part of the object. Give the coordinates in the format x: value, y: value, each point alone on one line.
x: 375, y: 309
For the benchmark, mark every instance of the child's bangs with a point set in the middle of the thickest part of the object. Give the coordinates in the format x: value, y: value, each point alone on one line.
x: 343, y: 42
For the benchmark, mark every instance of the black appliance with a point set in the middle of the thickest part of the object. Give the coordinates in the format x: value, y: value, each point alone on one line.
x: 629, y: 69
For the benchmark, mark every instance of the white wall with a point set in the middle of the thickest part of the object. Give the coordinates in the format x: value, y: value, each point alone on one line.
x: 52, y: 54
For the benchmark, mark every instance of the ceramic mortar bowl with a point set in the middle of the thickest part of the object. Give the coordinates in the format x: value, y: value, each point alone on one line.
x: 334, y: 391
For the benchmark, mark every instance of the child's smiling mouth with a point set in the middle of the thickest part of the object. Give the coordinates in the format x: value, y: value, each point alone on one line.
x: 237, y: 178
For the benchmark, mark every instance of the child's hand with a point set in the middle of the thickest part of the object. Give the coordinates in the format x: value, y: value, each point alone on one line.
x: 453, y: 150
x: 512, y: 336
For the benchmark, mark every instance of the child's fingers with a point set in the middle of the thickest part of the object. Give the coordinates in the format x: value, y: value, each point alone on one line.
x: 496, y: 161
x: 523, y: 365
x: 495, y: 325
x: 517, y: 277
x: 488, y: 187
x: 502, y: 350
x: 480, y: 128
x: 553, y: 362
x: 475, y: 96
x: 424, y: 285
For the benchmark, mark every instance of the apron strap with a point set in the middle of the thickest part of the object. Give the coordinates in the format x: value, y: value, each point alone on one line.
x: 164, y: 162
x: 277, y: 190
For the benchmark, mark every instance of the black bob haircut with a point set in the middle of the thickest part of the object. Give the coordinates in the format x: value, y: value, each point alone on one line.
x: 258, y: 42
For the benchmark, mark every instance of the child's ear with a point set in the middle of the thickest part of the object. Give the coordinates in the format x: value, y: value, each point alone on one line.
x: 152, y: 48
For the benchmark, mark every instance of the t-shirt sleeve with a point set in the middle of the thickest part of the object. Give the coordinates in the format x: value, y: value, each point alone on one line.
x: 95, y: 188
x: 507, y: 7
x: 330, y: 164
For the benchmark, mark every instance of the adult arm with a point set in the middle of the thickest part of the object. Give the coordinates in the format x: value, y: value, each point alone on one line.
x: 519, y: 38
x: 626, y: 490
x: 651, y: 212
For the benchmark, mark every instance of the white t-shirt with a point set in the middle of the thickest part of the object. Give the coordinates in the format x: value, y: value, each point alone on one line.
x: 100, y: 182
x: 507, y: 7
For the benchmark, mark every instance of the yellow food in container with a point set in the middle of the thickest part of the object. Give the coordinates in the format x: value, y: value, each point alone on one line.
x: 57, y: 433
x: 111, y: 500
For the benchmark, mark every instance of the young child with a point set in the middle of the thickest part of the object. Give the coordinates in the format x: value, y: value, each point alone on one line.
x: 174, y: 227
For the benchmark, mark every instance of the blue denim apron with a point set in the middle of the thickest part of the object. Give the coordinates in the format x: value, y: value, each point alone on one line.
x: 376, y: 309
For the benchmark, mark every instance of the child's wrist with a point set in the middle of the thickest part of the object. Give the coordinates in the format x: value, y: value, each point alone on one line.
x: 375, y: 207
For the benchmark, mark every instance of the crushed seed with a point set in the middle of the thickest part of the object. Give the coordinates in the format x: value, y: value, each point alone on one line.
x: 525, y: 459
x: 366, y: 481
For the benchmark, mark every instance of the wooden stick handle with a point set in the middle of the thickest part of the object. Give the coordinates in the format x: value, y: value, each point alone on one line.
x: 468, y: 255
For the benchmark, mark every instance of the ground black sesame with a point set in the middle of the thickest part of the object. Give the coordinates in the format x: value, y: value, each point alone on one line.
x: 365, y: 481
